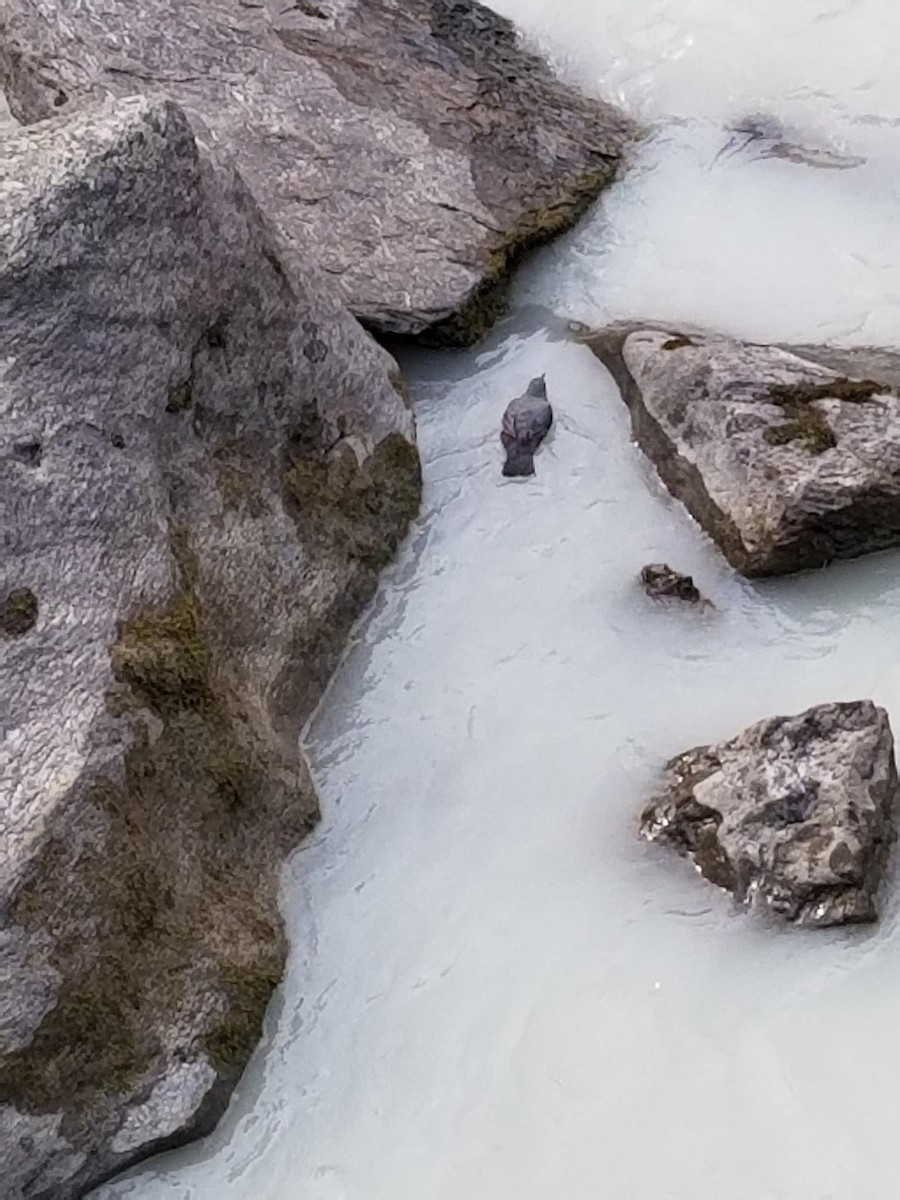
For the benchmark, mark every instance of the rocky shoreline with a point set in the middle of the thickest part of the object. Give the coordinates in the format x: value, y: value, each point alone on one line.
x: 789, y: 458
x: 208, y: 463
x: 208, y: 213
x: 415, y: 151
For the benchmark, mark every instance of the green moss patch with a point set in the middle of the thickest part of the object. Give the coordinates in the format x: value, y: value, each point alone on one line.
x: 18, y: 612
x: 162, y: 654
x: 538, y: 226
x: 238, y: 480
x: 171, y: 938
x: 180, y: 398
x: 808, y: 425
x: 677, y: 342
x: 91, y: 1043
x: 851, y: 391
x: 363, y: 511
x: 231, y: 1040
x: 805, y: 425
x: 167, y: 919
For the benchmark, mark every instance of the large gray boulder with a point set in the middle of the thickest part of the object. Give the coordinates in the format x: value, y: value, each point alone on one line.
x: 205, y: 462
x: 412, y: 145
x: 789, y: 457
x: 795, y: 813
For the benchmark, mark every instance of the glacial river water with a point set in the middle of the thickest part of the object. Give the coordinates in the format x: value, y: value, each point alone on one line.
x: 496, y: 992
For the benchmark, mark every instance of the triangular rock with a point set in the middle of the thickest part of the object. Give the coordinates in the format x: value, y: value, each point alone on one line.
x: 795, y: 812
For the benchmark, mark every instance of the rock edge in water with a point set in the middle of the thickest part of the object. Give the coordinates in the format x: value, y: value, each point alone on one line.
x: 205, y: 463
x: 415, y: 150
x: 662, y: 582
x: 789, y: 457
x: 796, y: 813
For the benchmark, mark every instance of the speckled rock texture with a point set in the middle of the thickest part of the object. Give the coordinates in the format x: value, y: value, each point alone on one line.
x: 205, y: 462
x: 413, y: 146
x: 789, y: 457
x: 795, y: 813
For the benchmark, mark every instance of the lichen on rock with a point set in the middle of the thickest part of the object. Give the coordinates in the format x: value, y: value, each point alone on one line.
x: 788, y: 456
x: 804, y: 421
x: 18, y: 612
x: 796, y: 813
x: 185, y: 629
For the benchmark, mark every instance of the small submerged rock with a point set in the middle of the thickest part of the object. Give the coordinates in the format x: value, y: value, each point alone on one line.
x: 662, y: 582
x: 796, y: 813
x: 789, y: 457
x: 769, y: 138
x: 578, y: 328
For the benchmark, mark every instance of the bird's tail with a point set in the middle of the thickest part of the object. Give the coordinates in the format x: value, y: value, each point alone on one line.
x: 519, y: 461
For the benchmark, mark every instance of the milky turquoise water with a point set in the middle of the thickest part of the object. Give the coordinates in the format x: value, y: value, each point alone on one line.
x: 497, y: 992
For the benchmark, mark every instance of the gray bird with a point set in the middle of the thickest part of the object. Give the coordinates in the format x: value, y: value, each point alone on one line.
x: 526, y: 423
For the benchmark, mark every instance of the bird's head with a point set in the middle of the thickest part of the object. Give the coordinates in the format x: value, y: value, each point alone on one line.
x: 538, y: 387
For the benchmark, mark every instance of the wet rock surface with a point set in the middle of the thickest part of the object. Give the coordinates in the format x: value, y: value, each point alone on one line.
x: 414, y: 149
x: 795, y: 813
x: 205, y: 463
x: 661, y: 582
x: 789, y: 457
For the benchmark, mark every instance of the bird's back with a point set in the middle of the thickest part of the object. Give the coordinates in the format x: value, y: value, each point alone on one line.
x: 527, y: 417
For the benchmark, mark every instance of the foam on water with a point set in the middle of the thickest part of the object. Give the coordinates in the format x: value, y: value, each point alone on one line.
x: 496, y: 992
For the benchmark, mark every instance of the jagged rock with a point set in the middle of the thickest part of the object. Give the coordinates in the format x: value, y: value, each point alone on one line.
x: 662, y: 582
x: 204, y: 463
x: 796, y: 813
x: 413, y: 146
x: 788, y: 456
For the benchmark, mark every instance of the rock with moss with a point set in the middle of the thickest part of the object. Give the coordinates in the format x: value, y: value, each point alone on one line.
x: 789, y: 457
x: 662, y: 582
x: 796, y: 814
x: 415, y: 148
x: 206, y: 461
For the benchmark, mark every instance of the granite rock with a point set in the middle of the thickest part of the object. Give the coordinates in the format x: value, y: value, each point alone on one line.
x: 789, y: 457
x: 205, y: 462
x: 795, y: 813
x: 415, y: 147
